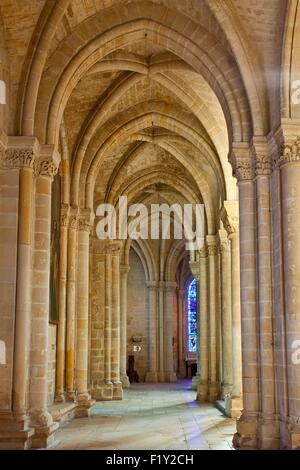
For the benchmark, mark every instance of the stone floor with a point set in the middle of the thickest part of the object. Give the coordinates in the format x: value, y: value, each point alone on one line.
x: 151, y: 416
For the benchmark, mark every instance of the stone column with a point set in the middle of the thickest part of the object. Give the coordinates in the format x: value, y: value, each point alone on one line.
x: 181, y: 336
x: 108, y: 386
x: 115, y: 323
x: 124, y: 270
x: 269, y: 426
x: 161, y: 371
x: 202, y: 389
x: 226, y: 314
x: 71, y: 305
x: 61, y: 327
x: 235, y: 402
x: 213, y: 386
x: 40, y: 418
x: 83, y: 397
x: 151, y: 375
x: 289, y: 163
x: 170, y: 375
x: 246, y: 436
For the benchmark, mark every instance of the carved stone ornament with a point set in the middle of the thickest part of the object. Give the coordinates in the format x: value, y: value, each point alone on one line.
x: 289, y: 154
x: 46, y: 167
x: 262, y: 165
x: 18, y: 158
x: 244, y: 169
x: 84, y: 225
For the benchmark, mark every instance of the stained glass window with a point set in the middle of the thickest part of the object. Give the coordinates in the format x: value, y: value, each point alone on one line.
x: 192, y: 316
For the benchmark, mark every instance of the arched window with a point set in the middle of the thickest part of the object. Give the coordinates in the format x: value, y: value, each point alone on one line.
x: 192, y: 316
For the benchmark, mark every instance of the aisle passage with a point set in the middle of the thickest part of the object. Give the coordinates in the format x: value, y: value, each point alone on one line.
x: 151, y: 416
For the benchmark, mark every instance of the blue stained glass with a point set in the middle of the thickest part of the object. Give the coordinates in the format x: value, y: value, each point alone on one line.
x: 192, y: 316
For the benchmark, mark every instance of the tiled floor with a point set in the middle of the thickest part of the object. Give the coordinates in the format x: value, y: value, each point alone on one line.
x: 151, y: 416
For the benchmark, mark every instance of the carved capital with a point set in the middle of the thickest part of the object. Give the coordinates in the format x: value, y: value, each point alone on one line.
x: 73, y: 222
x: 18, y: 158
x: 244, y: 169
x: 290, y: 153
x: 46, y: 167
x: 84, y: 225
x: 262, y: 165
x: 203, y: 251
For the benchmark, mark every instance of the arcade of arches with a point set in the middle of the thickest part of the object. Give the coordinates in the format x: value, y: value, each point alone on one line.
x: 161, y: 101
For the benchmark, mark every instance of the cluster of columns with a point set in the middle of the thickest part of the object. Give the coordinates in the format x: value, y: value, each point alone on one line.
x: 218, y: 316
x: 24, y: 417
x: 161, y: 304
x: 108, y: 372
x: 268, y: 172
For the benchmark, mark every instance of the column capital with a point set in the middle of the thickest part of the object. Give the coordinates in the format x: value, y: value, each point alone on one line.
x: 203, y: 252
x: 20, y: 152
x: 290, y: 153
x: 195, y: 268
x: 224, y: 242
x: 242, y: 161
x: 212, y: 245
x: 151, y: 285
x: 229, y: 215
x: 170, y: 286
x: 64, y: 215
x: 261, y: 151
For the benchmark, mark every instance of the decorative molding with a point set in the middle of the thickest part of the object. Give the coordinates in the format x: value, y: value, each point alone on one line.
x: 18, y: 158
x: 262, y: 165
x: 212, y: 250
x: 73, y: 222
x: 244, y: 169
x: 290, y: 153
x: 46, y: 167
x: 84, y: 225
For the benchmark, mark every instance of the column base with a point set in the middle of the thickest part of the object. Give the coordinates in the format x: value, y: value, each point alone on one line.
x: 246, y: 435
x: 213, y: 392
x: 102, y: 391
x: 151, y: 376
x: 202, y: 392
x: 170, y: 377
x: 269, y: 432
x: 233, y: 406
x: 60, y: 398
x: 117, y: 391
x: 195, y: 382
x: 15, y: 433
x: 125, y: 381
x: 161, y: 376
x: 84, y: 405
x: 70, y: 396
x: 44, y: 437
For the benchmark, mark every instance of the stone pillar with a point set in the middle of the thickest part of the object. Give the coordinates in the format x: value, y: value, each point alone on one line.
x: 151, y: 375
x: 235, y: 402
x: 40, y: 418
x: 170, y: 375
x: 181, y: 333
x: 246, y: 436
x: 268, y: 436
x: 108, y: 386
x: 213, y: 386
x: 124, y: 270
x: 289, y: 164
x: 71, y: 305
x: 61, y: 327
x: 83, y: 398
x: 161, y: 370
x: 15, y: 431
x: 226, y: 314
x: 115, y: 323
x: 202, y: 389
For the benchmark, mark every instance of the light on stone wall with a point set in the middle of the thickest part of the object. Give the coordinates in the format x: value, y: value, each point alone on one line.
x: 2, y: 353
x: 2, y: 92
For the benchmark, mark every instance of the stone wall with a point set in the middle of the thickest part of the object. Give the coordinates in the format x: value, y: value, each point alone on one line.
x: 137, y: 315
